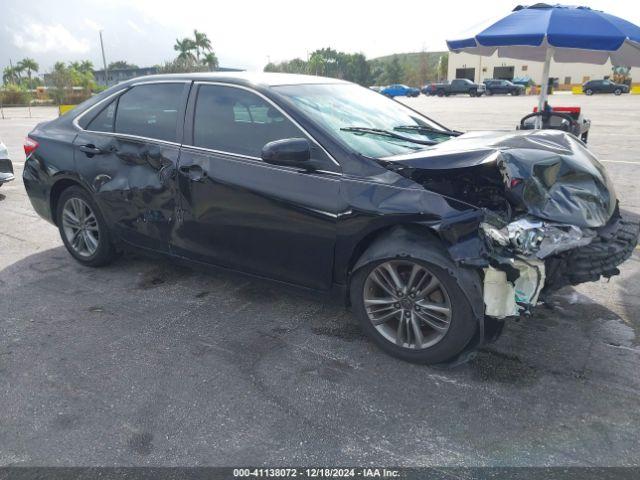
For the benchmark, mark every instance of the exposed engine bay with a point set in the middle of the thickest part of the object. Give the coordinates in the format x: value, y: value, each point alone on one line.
x: 546, y: 212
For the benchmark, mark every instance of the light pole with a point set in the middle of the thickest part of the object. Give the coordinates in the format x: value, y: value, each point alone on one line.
x: 104, y: 61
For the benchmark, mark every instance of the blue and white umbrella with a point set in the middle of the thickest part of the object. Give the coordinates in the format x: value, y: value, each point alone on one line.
x: 565, y: 34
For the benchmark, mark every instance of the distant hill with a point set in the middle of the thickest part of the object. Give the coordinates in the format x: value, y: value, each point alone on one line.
x: 418, y: 67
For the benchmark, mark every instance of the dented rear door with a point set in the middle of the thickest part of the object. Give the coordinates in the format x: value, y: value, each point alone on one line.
x: 132, y: 169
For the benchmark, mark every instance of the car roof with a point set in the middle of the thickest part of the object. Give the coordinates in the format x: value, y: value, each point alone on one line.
x: 264, y: 79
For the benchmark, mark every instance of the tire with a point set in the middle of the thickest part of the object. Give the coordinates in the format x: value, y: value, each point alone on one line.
x: 489, y: 92
x: 588, y: 91
x: 617, y: 91
x: 461, y: 327
x: 94, y: 247
x: 440, y: 93
x: 473, y: 93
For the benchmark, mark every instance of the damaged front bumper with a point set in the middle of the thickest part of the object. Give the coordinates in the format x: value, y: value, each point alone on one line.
x: 529, y: 258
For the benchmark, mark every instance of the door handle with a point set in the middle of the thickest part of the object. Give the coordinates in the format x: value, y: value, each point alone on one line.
x: 194, y: 172
x: 91, y: 150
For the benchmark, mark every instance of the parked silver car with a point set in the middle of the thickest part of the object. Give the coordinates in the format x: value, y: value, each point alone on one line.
x: 6, y: 168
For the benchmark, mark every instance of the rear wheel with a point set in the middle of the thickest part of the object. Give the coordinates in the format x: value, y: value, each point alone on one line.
x: 412, y: 309
x: 440, y: 93
x: 83, y: 229
x: 473, y: 93
x: 617, y: 91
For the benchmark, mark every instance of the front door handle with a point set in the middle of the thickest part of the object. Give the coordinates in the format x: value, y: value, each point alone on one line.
x: 91, y: 150
x: 194, y: 172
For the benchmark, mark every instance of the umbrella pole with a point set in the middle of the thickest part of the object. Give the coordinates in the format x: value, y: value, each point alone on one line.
x: 544, y: 85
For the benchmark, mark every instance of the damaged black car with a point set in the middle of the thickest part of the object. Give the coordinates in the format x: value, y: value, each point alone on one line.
x: 433, y: 237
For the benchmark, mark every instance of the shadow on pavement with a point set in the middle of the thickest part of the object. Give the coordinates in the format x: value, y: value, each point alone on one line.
x: 146, y: 361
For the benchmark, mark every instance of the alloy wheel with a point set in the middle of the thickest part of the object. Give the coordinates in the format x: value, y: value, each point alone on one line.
x: 407, y: 304
x: 80, y: 227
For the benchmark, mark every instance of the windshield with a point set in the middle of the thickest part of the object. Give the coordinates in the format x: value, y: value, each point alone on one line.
x: 366, y: 121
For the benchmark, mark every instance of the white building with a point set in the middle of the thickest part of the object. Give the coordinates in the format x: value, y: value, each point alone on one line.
x: 477, y: 68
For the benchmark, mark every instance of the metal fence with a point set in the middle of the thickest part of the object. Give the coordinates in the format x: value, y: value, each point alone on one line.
x: 8, y: 112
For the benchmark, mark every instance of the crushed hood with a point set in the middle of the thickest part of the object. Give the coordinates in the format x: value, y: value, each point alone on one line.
x: 552, y: 173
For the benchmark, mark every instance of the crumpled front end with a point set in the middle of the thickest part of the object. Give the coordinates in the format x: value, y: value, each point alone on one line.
x: 555, y: 254
x: 545, y: 213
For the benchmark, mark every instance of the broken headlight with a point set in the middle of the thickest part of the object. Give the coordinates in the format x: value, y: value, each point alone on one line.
x: 529, y: 236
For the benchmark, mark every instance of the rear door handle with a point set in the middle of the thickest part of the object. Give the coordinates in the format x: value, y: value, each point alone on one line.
x: 90, y: 149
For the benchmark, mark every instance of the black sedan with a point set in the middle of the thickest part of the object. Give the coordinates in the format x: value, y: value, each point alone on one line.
x: 604, y: 86
x: 433, y: 237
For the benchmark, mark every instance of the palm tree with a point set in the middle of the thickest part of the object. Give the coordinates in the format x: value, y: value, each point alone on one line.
x: 211, y: 60
x: 86, y: 66
x: 30, y: 65
x: 186, y: 46
x: 9, y: 75
x: 201, y: 41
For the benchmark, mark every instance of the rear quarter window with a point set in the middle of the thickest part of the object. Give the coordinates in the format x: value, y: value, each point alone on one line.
x: 150, y: 111
x: 103, y: 122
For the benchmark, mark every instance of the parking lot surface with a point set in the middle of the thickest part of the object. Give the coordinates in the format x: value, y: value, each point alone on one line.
x: 146, y: 362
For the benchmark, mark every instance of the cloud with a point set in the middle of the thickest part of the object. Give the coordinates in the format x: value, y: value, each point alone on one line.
x: 91, y: 24
x: 39, y: 38
x: 134, y: 26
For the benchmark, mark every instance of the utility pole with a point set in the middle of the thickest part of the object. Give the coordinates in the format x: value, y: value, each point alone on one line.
x: 104, y: 61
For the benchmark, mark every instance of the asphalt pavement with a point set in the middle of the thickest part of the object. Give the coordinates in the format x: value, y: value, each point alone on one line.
x: 146, y: 362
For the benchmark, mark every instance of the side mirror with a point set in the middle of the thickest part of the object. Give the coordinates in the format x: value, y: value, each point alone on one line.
x: 293, y: 152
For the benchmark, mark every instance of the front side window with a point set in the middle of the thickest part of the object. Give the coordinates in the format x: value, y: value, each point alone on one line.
x: 150, y: 111
x: 234, y: 120
x: 364, y: 120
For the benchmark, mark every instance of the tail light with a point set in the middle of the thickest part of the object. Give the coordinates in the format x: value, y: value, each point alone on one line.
x: 29, y: 146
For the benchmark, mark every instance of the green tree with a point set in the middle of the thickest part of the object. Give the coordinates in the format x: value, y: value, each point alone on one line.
x: 316, y: 63
x: 185, y: 48
x: 30, y: 66
x: 86, y: 66
x: 210, y: 60
x: 121, y: 65
x: 182, y: 65
x: 201, y: 42
x: 443, y: 66
x: 11, y: 75
x: 393, y: 71
x: 355, y: 68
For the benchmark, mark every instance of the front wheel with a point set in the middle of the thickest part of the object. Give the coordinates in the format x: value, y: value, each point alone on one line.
x: 617, y: 91
x: 588, y: 91
x: 83, y: 229
x: 412, y: 309
x: 440, y: 93
x: 473, y: 93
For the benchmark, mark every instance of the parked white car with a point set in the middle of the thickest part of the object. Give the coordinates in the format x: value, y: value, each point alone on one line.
x: 6, y: 168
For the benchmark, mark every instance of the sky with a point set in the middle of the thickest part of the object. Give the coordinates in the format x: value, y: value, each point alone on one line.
x: 244, y: 33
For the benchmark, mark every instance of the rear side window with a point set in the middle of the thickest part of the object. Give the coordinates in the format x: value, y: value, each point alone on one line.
x: 103, y: 122
x: 150, y: 111
x: 233, y: 120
